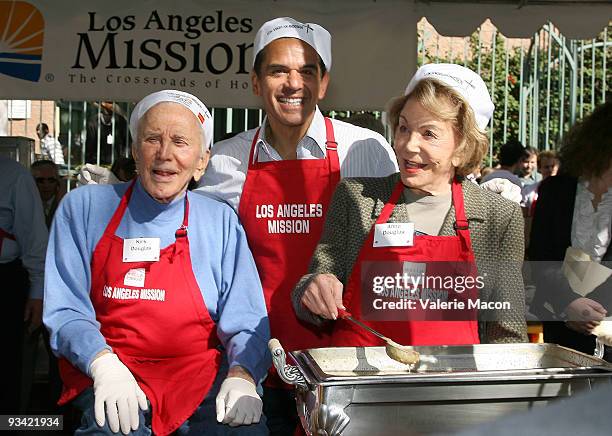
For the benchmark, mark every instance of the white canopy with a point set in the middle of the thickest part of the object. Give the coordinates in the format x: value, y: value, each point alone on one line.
x: 576, y: 19
x: 118, y: 50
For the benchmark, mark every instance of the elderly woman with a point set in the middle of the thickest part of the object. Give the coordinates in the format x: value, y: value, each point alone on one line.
x: 151, y: 292
x: 574, y: 209
x: 425, y: 221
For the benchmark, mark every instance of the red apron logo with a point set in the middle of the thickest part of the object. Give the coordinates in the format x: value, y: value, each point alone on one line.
x: 21, y: 40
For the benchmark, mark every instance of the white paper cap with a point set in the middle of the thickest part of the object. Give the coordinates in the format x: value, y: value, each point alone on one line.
x: 312, y: 34
x: 463, y: 80
x: 184, y: 99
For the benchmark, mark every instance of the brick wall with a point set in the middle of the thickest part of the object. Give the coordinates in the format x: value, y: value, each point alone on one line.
x: 42, y: 111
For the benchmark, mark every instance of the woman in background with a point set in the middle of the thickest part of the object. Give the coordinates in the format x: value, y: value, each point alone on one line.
x: 574, y: 209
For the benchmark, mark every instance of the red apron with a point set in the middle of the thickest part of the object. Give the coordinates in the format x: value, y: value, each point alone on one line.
x: 163, y: 333
x: 282, y: 209
x: 438, y: 252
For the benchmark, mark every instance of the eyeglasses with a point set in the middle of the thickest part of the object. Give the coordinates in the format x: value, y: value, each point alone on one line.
x: 45, y: 179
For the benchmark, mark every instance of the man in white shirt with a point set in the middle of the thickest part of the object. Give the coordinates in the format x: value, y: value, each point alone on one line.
x: 50, y: 148
x: 280, y: 177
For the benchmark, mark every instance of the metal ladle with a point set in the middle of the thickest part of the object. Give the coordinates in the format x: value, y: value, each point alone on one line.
x: 397, y: 352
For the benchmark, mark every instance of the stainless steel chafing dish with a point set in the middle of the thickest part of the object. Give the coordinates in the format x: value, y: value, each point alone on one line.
x: 361, y: 391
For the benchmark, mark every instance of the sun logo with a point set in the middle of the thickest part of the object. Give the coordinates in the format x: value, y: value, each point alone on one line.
x: 21, y: 40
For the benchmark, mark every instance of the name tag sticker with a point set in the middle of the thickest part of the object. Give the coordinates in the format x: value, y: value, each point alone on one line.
x: 141, y: 250
x: 394, y: 235
x: 135, y: 277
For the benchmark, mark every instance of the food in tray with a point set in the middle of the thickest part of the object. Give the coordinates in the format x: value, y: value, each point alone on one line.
x: 395, y: 351
x: 401, y: 353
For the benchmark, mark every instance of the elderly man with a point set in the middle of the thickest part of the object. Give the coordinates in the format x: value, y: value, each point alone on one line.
x: 149, y: 308
x: 280, y: 178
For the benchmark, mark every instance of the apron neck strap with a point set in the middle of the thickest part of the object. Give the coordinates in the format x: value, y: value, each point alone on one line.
x: 182, y: 231
x: 330, y: 139
x: 113, y: 224
x: 390, y: 205
x: 253, y: 146
x: 331, y: 146
x: 461, y: 223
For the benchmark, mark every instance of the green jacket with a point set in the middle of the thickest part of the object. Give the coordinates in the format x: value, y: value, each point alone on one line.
x: 496, y: 230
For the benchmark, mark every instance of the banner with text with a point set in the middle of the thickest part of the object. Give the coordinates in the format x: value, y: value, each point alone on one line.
x: 118, y: 50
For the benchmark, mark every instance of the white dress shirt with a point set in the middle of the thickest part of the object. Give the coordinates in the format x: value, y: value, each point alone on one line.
x: 361, y: 152
x: 591, y: 229
x: 21, y: 214
x: 51, y: 149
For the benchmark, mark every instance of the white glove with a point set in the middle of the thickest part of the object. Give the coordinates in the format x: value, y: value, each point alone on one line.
x: 604, y: 331
x: 505, y: 188
x: 238, y: 402
x: 115, y: 387
x: 91, y: 174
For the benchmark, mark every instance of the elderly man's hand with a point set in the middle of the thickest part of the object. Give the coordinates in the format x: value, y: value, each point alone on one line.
x: 116, y: 390
x: 237, y: 401
x: 94, y: 175
x: 33, y: 314
x: 323, y: 296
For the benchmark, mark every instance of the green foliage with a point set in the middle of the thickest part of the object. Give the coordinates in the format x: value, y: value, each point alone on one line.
x: 545, y: 115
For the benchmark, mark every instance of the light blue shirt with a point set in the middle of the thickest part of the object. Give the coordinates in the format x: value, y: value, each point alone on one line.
x: 221, y: 261
x: 22, y: 215
x: 532, y: 178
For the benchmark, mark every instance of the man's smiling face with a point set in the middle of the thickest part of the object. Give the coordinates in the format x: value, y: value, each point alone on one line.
x: 289, y: 82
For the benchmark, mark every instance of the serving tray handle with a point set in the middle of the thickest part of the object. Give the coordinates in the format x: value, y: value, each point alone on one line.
x: 288, y: 373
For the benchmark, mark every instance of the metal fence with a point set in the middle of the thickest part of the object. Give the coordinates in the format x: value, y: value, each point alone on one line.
x: 540, y: 87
